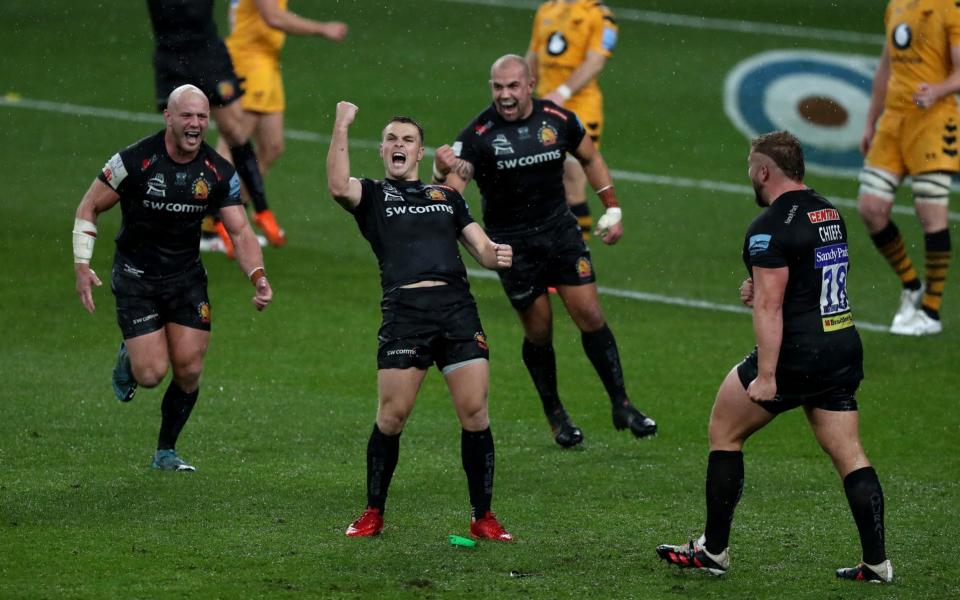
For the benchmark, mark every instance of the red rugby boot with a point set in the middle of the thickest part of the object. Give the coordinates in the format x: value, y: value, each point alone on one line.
x: 488, y: 528
x: 370, y: 523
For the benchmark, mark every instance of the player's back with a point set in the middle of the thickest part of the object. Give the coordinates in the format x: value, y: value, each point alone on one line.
x: 182, y: 25
x: 250, y: 34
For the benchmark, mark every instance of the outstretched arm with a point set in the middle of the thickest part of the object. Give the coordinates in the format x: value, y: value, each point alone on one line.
x: 100, y: 197
x: 249, y: 257
x: 292, y: 23
x: 345, y: 189
x: 488, y: 253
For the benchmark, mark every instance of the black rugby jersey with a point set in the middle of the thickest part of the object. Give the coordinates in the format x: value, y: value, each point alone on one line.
x: 804, y: 232
x: 183, y: 26
x: 163, y: 203
x: 518, y: 165
x: 414, y: 230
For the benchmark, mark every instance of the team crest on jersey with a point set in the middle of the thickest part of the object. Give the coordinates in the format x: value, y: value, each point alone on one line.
x: 584, y: 268
x: 203, y: 311
x: 201, y: 189
x: 436, y: 195
x: 547, y: 135
x: 157, y: 186
x: 501, y: 145
x: 481, y: 340
x: 226, y: 90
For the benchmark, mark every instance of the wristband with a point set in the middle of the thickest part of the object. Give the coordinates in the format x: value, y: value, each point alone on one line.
x: 437, y: 175
x: 84, y: 236
x: 564, y: 91
x: 256, y: 275
x: 608, y: 196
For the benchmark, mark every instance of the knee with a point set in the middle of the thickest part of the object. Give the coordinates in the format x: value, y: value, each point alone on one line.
x: 187, y: 375
x: 391, y: 420
x: 151, y: 374
x: 874, y: 213
x: 269, y: 153
x: 474, y: 417
x: 722, y: 438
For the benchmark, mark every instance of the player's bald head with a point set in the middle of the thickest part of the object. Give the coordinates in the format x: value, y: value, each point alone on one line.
x: 183, y: 92
x: 510, y: 61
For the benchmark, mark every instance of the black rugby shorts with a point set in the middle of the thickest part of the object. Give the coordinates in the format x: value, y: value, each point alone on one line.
x: 144, y: 306
x: 210, y: 70
x: 556, y: 256
x: 834, y: 391
x: 423, y: 326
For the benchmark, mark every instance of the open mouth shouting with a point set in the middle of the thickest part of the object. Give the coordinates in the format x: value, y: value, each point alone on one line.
x: 508, y: 107
x: 398, y: 160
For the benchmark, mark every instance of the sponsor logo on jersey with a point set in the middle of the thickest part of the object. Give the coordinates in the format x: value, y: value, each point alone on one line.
x: 149, y: 317
x: 181, y: 179
x: 132, y: 270
x: 174, y: 207
x: 390, y: 193
x: 584, y: 268
x: 830, y: 233
x: 547, y: 135
x: 902, y: 35
x: 436, y: 195
x: 482, y: 129
x: 835, y: 322
x: 791, y: 214
x: 413, y: 209
x: 145, y: 164
x: 481, y: 340
x: 557, y: 44
x: 501, y: 145
x: 157, y: 186
x: 114, y: 171
x: 201, y: 189
x: 234, y: 187
x: 825, y: 214
x: 758, y: 243
x: 555, y: 112
x: 203, y: 311
x: 402, y: 351
x: 526, y: 161
x: 609, y: 40
x: 834, y: 254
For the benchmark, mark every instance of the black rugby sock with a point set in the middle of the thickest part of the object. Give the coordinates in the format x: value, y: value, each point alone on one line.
x: 724, y: 487
x: 174, y: 410
x: 541, y: 362
x: 890, y: 244
x: 865, y: 497
x: 601, y: 349
x: 383, y: 451
x: 476, y: 454
x: 245, y: 162
x: 937, y: 246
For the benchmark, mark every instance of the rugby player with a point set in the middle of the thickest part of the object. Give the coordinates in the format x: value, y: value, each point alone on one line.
x: 808, y: 354
x: 569, y: 47
x: 165, y: 185
x: 911, y: 129
x: 258, y: 30
x: 429, y: 316
x: 515, y: 149
x: 187, y: 49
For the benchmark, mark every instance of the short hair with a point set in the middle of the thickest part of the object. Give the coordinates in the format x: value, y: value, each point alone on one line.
x: 784, y: 149
x: 507, y: 59
x: 174, y: 97
x: 408, y: 121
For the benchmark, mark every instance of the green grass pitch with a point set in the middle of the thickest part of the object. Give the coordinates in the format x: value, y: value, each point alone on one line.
x: 289, y: 396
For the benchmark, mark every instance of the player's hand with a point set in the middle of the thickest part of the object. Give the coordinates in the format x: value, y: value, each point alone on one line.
x: 504, y: 254
x: 926, y: 96
x: 609, y: 226
x: 867, y: 138
x: 335, y: 31
x: 556, y: 98
x: 264, y: 294
x: 346, y: 113
x: 445, y: 159
x: 746, y: 291
x: 86, y: 279
x: 762, y: 389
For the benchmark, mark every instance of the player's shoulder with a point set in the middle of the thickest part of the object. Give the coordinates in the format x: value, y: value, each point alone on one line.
x: 220, y: 167
x: 549, y: 108
x: 144, y: 146
x: 600, y: 9
x: 441, y: 192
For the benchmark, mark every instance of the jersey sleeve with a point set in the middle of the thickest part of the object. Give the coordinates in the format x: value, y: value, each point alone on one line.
x: 603, y: 31
x: 766, y: 245
x: 575, y: 130
x: 461, y: 211
x: 232, y: 189
x: 115, y: 172
x: 952, y: 23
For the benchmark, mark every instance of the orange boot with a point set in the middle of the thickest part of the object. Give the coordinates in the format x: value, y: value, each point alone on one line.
x: 268, y: 224
x: 225, y: 238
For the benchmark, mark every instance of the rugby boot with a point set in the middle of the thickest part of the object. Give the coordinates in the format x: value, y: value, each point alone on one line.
x: 369, y: 524
x: 124, y: 384
x: 882, y: 573
x: 565, y: 433
x: 626, y: 415
x: 488, y: 527
x: 909, y: 304
x: 167, y: 460
x: 919, y: 323
x: 694, y: 556
x: 268, y: 224
x: 224, y: 238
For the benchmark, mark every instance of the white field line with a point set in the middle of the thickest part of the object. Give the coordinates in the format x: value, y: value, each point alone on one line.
x: 309, y: 136
x: 707, y: 23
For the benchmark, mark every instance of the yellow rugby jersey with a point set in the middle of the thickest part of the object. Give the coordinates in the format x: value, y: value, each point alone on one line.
x: 919, y: 36
x: 249, y: 34
x: 563, y: 33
